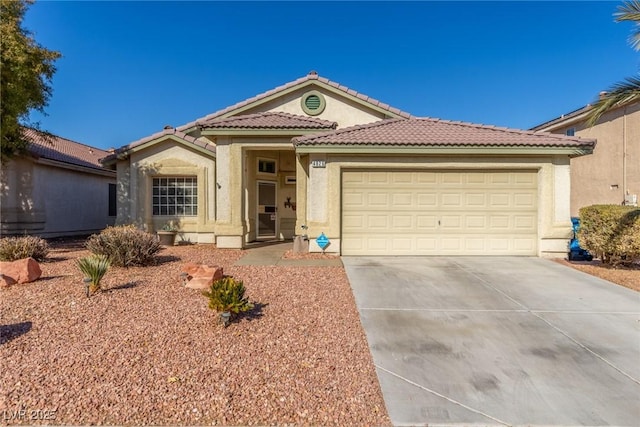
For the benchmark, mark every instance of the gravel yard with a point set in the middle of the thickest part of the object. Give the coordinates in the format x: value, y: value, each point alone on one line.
x: 628, y: 277
x: 149, y: 351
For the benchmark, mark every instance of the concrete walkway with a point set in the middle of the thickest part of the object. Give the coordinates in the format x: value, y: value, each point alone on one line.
x: 499, y: 341
x: 272, y: 254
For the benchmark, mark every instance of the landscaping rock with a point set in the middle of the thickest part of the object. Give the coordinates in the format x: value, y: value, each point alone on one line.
x: 201, y: 276
x: 6, y: 281
x: 21, y: 271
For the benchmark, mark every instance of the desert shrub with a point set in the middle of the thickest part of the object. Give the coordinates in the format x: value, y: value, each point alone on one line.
x: 14, y: 248
x: 94, y: 268
x: 611, y: 232
x: 125, y: 246
x: 227, y: 295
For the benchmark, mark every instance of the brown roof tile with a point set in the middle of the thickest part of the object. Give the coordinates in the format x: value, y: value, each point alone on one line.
x: 436, y: 133
x: 269, y: 120
x: 308, y: 77
x: 53, y: 147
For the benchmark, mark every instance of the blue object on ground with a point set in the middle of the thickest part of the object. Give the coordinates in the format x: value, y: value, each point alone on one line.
x: 576, y: 253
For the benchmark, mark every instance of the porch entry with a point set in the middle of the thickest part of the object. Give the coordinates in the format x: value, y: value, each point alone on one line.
x: 267, y: 207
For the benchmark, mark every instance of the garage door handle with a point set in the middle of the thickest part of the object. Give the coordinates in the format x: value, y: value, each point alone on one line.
x: 438, y: 223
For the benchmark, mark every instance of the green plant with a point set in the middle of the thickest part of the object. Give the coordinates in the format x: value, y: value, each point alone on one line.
x: 94, y: 268
x: 611, y: 232
x: 227, y: 295
x: 125, y: 246
x: 14, y: 248
x: 170, y: 226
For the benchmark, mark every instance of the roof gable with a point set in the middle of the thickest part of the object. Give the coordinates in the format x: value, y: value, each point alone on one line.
x: 200, y: 144
x: 310, y: 81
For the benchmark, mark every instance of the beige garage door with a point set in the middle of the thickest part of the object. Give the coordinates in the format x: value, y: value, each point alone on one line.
x: 439, y: 213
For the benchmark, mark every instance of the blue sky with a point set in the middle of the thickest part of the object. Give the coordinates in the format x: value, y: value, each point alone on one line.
x: 129, y: 68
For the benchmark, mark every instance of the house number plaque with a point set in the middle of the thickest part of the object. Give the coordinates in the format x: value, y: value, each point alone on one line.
x: 318, y: 163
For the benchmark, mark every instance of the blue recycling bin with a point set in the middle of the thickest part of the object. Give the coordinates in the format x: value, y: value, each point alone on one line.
x: 576, y: 253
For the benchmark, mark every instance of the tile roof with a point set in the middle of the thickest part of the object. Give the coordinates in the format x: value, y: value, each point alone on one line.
x: 431, y: 132
x: 53, y: 147
x: 312, y: 76
x: 200, y: 142
x: 268, y: 120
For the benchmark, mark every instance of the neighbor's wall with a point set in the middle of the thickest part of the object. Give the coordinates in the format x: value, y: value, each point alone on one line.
x: 167, y: 158
x: 50, y: 201
x: 603, y: 177
x: 322, y: 206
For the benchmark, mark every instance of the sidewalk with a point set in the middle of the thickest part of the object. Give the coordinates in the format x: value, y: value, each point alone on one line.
x: 271, y: 254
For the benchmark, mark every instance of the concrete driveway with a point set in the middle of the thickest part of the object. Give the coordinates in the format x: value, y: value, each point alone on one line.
x: 500, y: 340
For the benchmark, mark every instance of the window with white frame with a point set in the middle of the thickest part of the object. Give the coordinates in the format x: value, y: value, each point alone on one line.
x: 175, y: 196
x: 267, y: 166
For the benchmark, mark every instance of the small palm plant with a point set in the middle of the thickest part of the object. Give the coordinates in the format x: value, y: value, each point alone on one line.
x: 94, y: 268
x: 226, y: 296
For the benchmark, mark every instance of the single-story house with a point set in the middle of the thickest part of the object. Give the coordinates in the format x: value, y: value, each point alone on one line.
x: 611, y: 175
x: 57, y: 188
x: 313, y: 157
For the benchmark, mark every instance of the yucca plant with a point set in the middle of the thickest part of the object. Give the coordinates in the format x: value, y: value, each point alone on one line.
x: 226, y: 296
x: 94, y: 268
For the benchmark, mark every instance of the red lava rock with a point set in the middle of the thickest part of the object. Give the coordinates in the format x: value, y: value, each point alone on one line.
x: 21, y: 271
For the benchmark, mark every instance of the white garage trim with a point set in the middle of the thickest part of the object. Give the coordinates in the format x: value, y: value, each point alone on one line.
x: 439, y: 212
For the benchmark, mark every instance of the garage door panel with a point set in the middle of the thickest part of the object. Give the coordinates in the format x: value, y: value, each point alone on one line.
x: 439, y: 212
x: 378, y: 222
x: 524, y: 200
x: 427, y: 200
x: 376, y: 199
x: 403, y: 199
x: 402, y: 223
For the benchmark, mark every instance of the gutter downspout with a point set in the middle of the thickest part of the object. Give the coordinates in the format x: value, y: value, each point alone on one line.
x: 625, y: 190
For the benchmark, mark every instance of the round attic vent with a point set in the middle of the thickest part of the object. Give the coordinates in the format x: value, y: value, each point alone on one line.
x: 313, y: 103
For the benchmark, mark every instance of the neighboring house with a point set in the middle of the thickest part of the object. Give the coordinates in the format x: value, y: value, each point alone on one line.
x: 59, y: 188
x: 313, y: 156
x: 611, y: 175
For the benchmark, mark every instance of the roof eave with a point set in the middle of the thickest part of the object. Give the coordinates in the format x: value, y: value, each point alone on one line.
x: 75, y: 167
x: 561, y: 122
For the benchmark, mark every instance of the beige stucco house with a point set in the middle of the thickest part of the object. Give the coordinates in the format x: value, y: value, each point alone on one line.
x: 58, y: 188
x: 611, y: 175
x: 313, y: 156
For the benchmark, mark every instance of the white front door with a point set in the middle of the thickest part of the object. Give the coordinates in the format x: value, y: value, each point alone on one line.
x: 267, y: 215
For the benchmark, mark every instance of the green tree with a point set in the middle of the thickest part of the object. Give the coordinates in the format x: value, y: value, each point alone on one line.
x: 26, y: 69
x: 627, y: 90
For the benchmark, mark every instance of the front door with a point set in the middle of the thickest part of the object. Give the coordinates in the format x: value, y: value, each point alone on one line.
x: 266, y: 218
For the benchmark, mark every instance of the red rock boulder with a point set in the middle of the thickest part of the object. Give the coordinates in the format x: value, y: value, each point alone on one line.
x: 201, y: 276
x: 20, y: 271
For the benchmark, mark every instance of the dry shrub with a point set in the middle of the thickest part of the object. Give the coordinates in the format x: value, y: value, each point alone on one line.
x: 611, y: 232
x: 125, y: 246
x: 14, y: 248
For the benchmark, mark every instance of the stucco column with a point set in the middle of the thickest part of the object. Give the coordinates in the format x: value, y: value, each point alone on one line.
x: 555, y: 190
x: 230, y: 227
x: 302, y: 176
